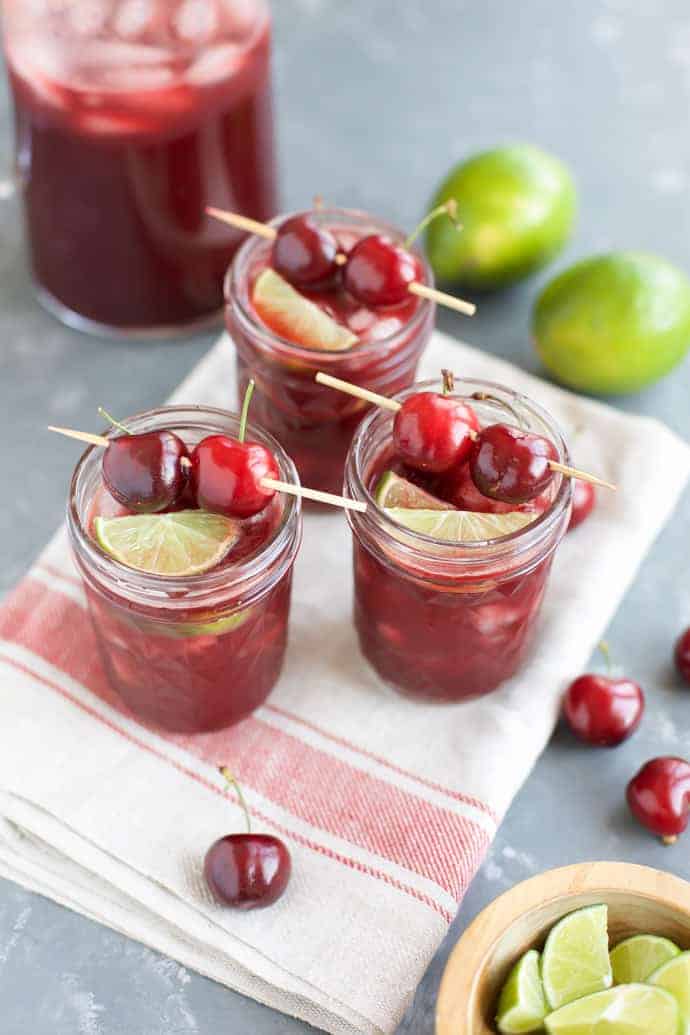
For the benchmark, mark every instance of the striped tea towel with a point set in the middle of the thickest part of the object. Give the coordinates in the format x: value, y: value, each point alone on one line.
x: 388, y: 806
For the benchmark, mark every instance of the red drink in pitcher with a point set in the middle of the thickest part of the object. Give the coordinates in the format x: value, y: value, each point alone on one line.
x: 131, y: 116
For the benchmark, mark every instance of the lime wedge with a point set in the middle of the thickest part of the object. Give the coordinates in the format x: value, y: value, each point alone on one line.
x: 575, y: 961
x: 295, y: 317
x: 460, y: 526
x: 636, y: 958
x: 623, y: 1010
x: 674, y: 977
x: 186, y: 542
x: 522, y: 1006
x: 394, y: 491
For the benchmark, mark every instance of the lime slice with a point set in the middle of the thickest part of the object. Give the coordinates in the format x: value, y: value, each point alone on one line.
x: 295, y: 317
x: 575, y: 961
x: 636, y: 958
x: 623, y: 1010
x: 522, y: 1006
x: 187, y: 542
x: 674, y: 977
x: 394, y: 491
x: 460, y: 526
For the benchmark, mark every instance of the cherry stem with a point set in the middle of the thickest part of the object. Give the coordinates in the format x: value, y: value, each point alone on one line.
x: 449, y: 208
x: 227, y: 775
x: 245, y: 410
x: 448, y: 381
x: 606, y: 651
x: 483, y: 397
x: 111, y: 420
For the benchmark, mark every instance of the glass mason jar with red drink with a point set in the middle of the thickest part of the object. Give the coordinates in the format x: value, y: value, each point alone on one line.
x: 131, y: 116
x: 200, y: 651
x: 449, y: 619
x: 284, y: 334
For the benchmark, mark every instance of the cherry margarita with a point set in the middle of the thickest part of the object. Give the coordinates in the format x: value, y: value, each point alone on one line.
x: 131, y: 116
x: 315, y: 424
x: 440, y: 620
x: 198, y: 652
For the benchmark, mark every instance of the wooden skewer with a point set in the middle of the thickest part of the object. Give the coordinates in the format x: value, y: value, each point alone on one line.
x: 270, y: 233
x: 393, y: 406
x: 268, y: 483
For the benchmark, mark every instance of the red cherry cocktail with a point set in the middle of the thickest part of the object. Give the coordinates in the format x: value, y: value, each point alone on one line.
x: 442, y: 619
x: 192, y: 652
x: 284, y: 332
x: 131, y: 116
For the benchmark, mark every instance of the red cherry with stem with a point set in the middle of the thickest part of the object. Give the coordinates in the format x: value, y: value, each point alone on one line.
x: 379, y: 272
x: 433, y: 432
x: 659, y: 797
x: 146, y: 473
x: 304, y: 252
x: 247, y: 871
x: 682, y: 655
x: 584, y: 498
x: 511, y: 465
x: 227, y: 472
x: 603, y: 710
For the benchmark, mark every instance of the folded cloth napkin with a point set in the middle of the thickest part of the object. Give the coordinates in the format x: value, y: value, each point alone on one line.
x: 387, y: 806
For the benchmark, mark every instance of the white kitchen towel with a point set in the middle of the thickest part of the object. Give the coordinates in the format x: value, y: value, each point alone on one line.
x: 388, y: 806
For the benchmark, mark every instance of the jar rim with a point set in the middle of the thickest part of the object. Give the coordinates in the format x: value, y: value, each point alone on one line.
x: 235, y: 277
x: 419, y: 546
x: 177, y: 592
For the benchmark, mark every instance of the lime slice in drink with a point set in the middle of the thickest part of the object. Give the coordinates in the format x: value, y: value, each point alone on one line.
x: 674, y: 977
x: 575, y: 961
x: 522, y: 1006
x: 394, y: 491
x: 623, y: 1010
x: 460, y: 526
x: 636, y: 958
x: 295, y: 317
x: 186, y: 542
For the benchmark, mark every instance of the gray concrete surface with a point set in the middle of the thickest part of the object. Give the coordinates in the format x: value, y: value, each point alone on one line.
x: 376, y: 99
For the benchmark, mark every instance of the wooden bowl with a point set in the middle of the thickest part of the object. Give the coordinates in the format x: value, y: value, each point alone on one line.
x: 639, y: 899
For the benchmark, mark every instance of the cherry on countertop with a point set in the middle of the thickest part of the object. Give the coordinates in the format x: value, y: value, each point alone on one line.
x: 584, y: 498
x: 659, y: 797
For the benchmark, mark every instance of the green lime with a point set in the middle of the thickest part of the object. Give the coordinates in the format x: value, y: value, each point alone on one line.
x: 636, y: 958
x: 575, y: 961
x: 460, y: 526
x: 623, y: 1010
x: 613, y: 323
x: 394, y: 491
x: 186, y: 542
x: 674, y: 978
x: 516, y: 206
x: 522, y: 1006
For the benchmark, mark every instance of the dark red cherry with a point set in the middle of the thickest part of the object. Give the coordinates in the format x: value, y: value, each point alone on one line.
x: 659, y: 796
x: 226, y: 476
x: 584, y: 499
x: 682, y: 655
x: 227, y: 472
x: 511, y: 465
x: 603, y: 711
x: 434, y: 432
x: 248, y: 871
x: 379, y: 272
x: 145, y: 473
x: 304, y: 252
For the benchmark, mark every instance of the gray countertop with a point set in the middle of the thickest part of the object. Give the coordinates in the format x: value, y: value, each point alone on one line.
x: 376, y: 99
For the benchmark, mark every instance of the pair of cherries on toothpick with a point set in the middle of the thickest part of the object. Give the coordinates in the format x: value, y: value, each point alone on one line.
x: 149, y: 472
x: 436, y: 433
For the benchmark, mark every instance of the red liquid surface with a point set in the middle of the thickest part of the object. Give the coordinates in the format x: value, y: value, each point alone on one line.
x: 193, y: 670
x: 125, y: 131
x: 448, y: 638
x: 314, y: 424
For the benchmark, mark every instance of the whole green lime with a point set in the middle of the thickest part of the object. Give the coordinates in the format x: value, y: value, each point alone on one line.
x: 516, y: 206
x: 613, y: 323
